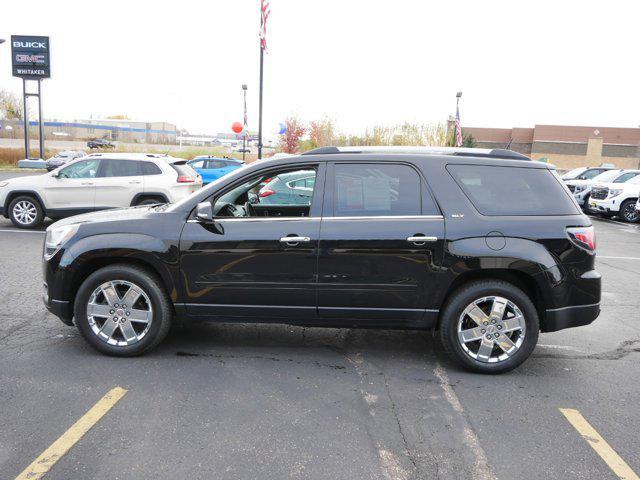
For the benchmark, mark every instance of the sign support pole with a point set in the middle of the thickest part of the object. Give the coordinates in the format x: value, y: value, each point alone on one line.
x: 40, y: 121
x: 25, y: 118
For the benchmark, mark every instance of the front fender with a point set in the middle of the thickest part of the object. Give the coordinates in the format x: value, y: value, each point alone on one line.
x: 89, y: 253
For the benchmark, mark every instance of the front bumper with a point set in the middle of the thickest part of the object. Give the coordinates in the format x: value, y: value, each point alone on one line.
x: 60, y: 308
x: 608, y: 205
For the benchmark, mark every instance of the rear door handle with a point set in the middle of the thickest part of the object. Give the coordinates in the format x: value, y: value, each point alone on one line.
x: 135, y: 181
x: 86, y: 183
x: 421, y: 239
x: 294, y: 240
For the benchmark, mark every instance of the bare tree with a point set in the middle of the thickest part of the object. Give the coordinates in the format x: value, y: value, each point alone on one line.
x: 10, y: 105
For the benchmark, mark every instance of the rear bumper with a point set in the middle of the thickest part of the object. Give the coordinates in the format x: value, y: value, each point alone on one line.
x: 568, y: 317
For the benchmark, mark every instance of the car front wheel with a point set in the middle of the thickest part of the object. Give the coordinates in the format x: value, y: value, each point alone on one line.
x: 489, y: 326
x: 122, y: 310
x: 26, y: 212
x: 628, y: 211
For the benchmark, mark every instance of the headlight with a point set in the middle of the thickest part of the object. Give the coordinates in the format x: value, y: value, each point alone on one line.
x: 615, y: 192
x: 56, y: 237
x: 4, y: 184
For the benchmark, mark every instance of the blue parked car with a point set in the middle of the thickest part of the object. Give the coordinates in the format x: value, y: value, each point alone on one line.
x: 212, y: 168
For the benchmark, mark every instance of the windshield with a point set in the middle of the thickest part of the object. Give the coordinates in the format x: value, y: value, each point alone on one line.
x: 571, y: 174
x: 634, y: 180
x: 608, y: 176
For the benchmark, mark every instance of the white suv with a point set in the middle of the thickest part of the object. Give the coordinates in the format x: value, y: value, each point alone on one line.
x: 619, y: 199
x: 581, y: 189
x: 96, y: 182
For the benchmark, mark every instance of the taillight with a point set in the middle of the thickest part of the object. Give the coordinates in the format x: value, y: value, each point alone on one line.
x: 265, y: 192
x: 186, y: 179
x: 583, y: 237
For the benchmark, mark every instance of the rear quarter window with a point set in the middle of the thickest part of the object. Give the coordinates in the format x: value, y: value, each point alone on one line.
x: 498, y: 190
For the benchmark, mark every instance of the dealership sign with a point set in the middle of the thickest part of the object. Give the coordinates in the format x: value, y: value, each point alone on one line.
x: 30, y: 56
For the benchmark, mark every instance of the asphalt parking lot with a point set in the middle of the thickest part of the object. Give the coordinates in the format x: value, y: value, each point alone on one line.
x: 274, y: 402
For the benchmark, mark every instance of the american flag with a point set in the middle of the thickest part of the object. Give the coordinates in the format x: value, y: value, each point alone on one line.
x: 458, y: 128
x: 265, y: 11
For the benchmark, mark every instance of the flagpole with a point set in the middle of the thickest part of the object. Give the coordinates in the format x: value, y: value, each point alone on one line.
x: 260, y: 102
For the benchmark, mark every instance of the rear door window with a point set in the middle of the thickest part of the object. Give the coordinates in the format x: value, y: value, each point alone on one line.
x: 119, y: 168
x: 369, y: 190
x: 149, y: 168
x: 497, y: 190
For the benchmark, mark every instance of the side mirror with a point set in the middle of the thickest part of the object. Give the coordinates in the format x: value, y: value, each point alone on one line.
x: 204, y: 212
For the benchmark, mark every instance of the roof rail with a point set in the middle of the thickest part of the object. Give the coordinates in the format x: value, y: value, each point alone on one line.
x: 457, y: 151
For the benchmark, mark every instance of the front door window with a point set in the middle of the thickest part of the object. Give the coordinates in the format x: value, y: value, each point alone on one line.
x: 286, y: 193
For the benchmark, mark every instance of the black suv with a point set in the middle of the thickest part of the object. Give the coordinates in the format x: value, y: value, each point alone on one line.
x: 486, y: 246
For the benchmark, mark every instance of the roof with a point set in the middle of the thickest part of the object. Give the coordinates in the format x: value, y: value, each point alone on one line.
x: 136, y: 156
x: 426, y: 150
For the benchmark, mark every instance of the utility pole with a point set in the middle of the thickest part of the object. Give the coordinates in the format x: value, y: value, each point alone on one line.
x: 245, y: 133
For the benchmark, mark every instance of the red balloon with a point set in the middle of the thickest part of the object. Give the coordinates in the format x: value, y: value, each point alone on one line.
x: 237, y: 127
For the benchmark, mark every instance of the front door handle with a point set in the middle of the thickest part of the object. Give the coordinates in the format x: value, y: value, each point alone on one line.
x: 86, y: 183
x: 293, y: 241
x: 421, y: 239
x: 135, y: 182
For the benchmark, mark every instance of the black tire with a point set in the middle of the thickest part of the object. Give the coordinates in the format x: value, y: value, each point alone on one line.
x: 151, y: 285
x: 628, y: 211
x: 150, y: 201
x: 467, y: 294
x: 33, y: 205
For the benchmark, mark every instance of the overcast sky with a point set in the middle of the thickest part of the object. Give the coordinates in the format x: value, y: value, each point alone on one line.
x: 359, y: 62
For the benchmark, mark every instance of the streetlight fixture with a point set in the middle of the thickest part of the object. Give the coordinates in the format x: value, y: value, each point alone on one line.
x: 2, y: 40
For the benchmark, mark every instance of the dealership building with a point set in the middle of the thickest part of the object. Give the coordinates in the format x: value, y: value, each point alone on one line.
x: 566, y: 146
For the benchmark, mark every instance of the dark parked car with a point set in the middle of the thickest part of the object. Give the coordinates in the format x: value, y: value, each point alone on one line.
x: 99, y: 143
x: 484, y: 246
x: 61, y: 158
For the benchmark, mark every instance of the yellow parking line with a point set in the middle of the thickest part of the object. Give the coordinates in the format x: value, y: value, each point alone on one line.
x: 599, y: 444
x: 51, y: 455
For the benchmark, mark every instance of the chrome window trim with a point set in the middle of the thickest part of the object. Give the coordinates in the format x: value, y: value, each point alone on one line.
x: 387, y: 217
x: 373, y: 217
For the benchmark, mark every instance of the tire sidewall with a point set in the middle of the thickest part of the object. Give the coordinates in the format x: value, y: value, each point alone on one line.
x: 462, y: 298
x: 161, y: 313
x: 39, y: 213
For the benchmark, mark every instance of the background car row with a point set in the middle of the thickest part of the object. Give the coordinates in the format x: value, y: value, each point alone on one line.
x: 606, y: 191
x: 96, y: 182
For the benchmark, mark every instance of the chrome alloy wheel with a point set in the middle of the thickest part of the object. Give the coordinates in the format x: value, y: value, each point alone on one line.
x: 491, y: 329
x: 25, y: 212
x: 629, y: 213
x: 119, y: 313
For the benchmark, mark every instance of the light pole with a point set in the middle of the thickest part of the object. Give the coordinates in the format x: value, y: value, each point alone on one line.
x: 244, y: 136
x: 458, y: 131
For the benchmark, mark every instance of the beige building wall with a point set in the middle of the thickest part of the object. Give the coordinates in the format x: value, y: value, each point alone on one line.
x: 567, y: 162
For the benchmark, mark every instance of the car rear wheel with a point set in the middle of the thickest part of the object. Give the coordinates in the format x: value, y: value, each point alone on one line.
x: 628, y: 211
x: 122, y: 310
x: 489, y: 326
x: 26, y: 212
